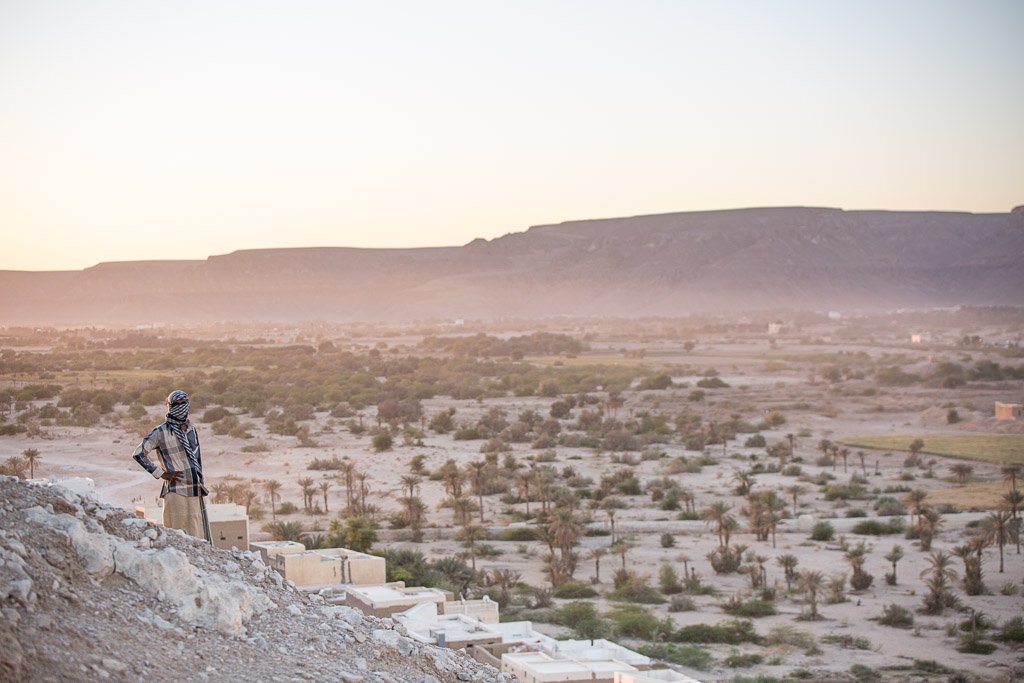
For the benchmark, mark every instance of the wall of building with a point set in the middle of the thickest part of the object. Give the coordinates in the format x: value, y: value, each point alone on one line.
x: 230, y: 534
x: 482, y: 610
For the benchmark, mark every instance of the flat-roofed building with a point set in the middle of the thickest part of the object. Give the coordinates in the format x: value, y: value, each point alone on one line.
x: 521, y: 634
x: 1009, y: 411
x: 485, y: 609
x: 322, y: 567
x: 654, y: 676
x: 599, y: 649
x: 268, y: 549
x: 540, y: 667
x: 423, y: 623
x: 386, y: 599
x: 229, y: 525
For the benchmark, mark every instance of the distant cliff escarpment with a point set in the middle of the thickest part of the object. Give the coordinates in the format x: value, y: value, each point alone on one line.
x: 748, y: 259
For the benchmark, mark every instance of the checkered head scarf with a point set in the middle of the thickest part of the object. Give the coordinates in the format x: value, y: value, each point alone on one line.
x: 177, y: 416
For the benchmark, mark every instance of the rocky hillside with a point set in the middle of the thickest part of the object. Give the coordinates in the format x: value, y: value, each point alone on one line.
x: 668, y: 264
x: 88, y: 592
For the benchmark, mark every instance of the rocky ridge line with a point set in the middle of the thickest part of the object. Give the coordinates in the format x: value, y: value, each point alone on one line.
x: 88, y: 592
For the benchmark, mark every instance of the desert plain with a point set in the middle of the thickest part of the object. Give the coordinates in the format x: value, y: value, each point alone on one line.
x: 704, y: 489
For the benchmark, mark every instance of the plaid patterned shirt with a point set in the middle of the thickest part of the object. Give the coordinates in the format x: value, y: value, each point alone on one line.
x: 173, y: 458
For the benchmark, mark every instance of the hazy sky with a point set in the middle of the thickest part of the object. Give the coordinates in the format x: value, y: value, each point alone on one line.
x: 153, y: 130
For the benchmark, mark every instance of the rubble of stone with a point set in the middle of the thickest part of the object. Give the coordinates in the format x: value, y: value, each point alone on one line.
x: 89, y: 592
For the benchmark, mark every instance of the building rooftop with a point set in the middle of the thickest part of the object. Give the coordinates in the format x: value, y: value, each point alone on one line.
x: 227, y: 512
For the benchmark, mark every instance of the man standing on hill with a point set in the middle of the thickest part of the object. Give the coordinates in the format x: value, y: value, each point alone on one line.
x: 180, y: 466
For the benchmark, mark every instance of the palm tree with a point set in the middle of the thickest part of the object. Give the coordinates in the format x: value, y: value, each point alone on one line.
x: 999, y: 528
x: 796, y: 491
x: 929, y: 521
x: 272, y: 487
x: 308, y: 486
x: 410, y: 482
x: 812, y: 583
x: 348, y: 469
x: 505, y: 580
x: 788, y: 563
x: 915, y: 499
x: 1011, y: 473
x: 523, y: 481
x: 1012, y: 502
x: 596, y: 554
x: 863, y: 465
x: 31, y: 455
x: 469, y: 535
x: 846, y: 458
x: 941, y: 574
x: 894, y: 556
x: 325, y: 486
x: 221, y: 492
x: 285, y: 531
x: 718, y: 514
x: 247, y: 496
x: 477, y: 473
x: 413, y: 514
x: 962, y: 472
x: 791, y: 438
x: 744, y: 481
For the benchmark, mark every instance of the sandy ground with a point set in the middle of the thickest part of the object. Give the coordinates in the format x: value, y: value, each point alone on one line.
x: 103, y: 453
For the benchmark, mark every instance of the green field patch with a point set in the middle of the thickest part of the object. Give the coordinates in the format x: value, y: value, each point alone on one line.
x: 986, y: 495
x: 1003, y: 448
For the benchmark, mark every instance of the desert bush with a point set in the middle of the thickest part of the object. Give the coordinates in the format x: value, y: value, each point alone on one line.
x: 582, y: 617
x: 1012, y: 630
x: 668, y: 540
x: 751, y: 609
x: 847, y: 641
x: 636, y: 589
x: 739, y: 660
x: 896, y: 616
x: 635, y: 622
x: 792, y: 470
x: 286, y: 507
x: 975, y: 644
x: 519, y: 535
x: 755, y: 441
x: 875, y: 527
x: 692, y: 656
x: 732, y: 632
x: 574, y: 590
x: 726, y: 560
x: 785, y: 634
x: 822, y: 531
x: 681, y: 603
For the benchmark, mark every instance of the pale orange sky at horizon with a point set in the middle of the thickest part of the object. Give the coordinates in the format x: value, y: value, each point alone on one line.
x: 138, y: 131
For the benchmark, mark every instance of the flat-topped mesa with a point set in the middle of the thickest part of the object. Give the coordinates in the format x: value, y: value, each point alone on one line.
x: 669, y: 264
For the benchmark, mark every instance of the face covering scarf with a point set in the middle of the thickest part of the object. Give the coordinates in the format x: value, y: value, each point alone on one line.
x: 177, y: 415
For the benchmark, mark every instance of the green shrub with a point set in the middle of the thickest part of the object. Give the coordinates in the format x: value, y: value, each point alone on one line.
x: 751, y: 609
x: 896, y: 616
x: 739, y: 660
x: 864, y: 673
x: 681, y: 603
x: 521, y: 534
x: 574, y: 590
x: 692, y: 656
x: 847, y: 641
x: 636, y: 589
x: 286, y: 508
x: 823, y: 531
x: 1012, y: 631
x: 582, y: 617
x: 668, y: 540
x: 975, y: 644
x: 634, y: 622
x: 875, y: 527
x: 732, y: 632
